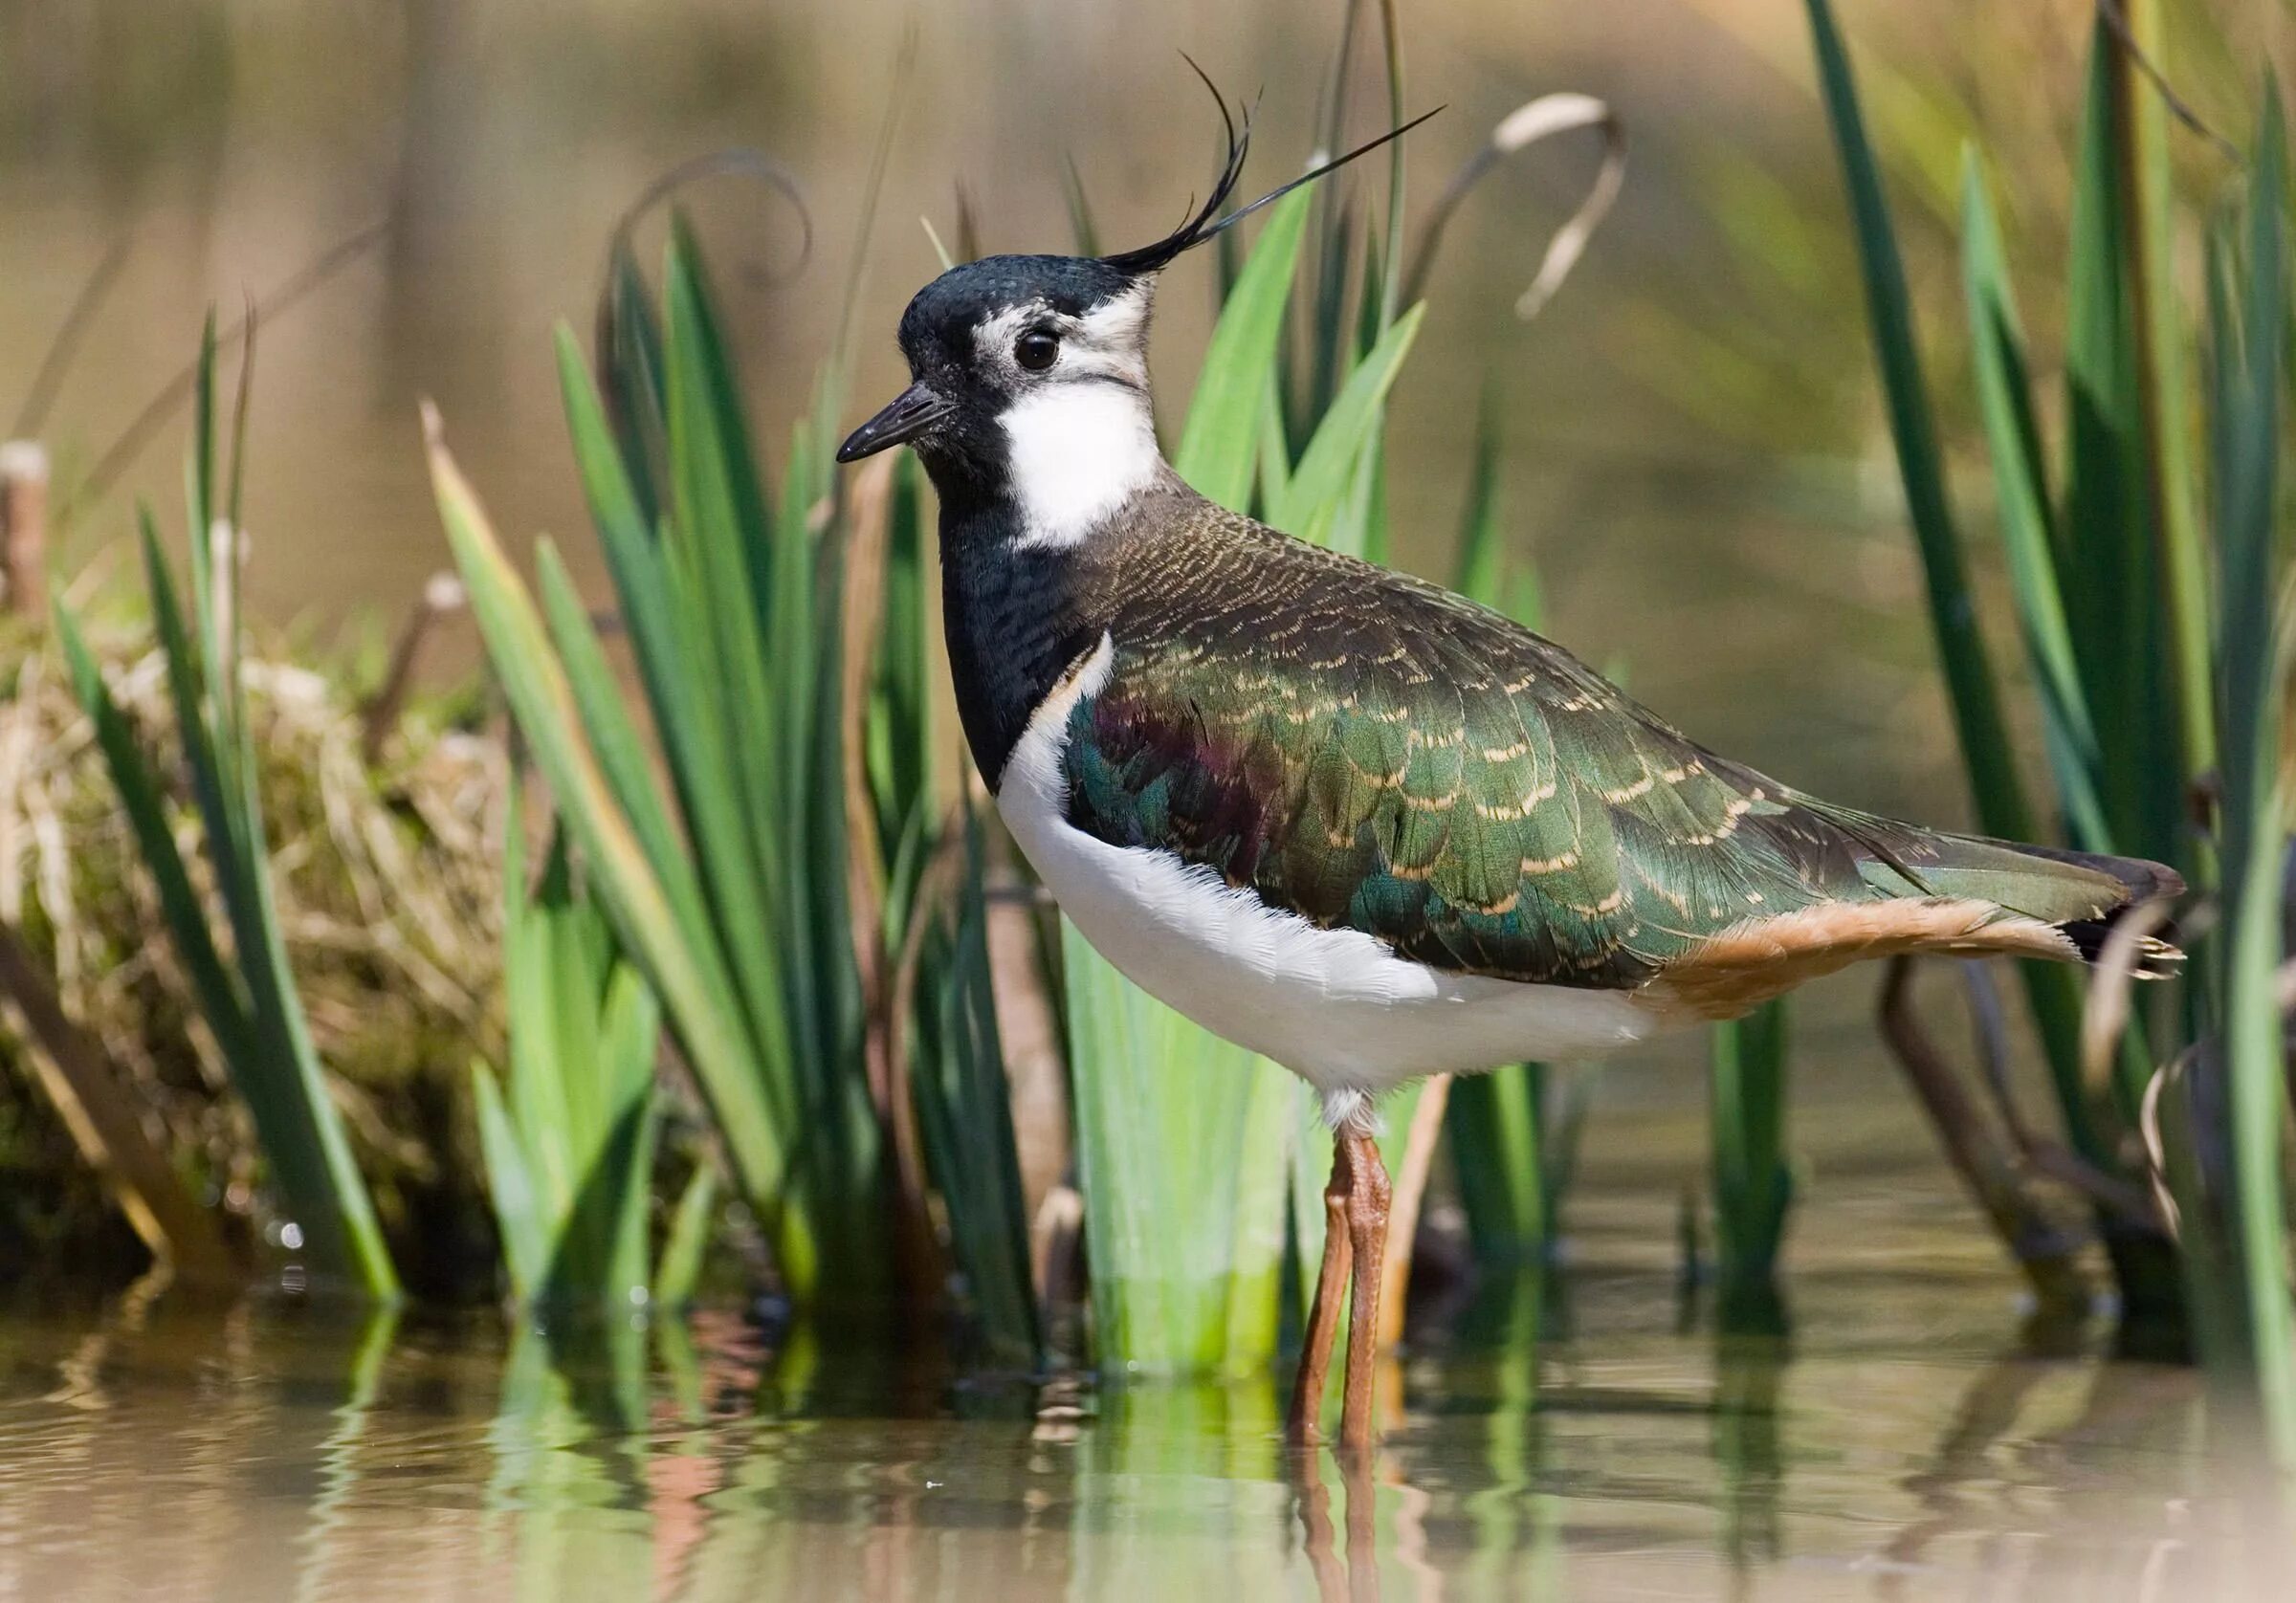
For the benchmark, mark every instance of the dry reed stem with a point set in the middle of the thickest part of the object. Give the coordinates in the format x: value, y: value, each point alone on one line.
x: 90, y: 1095
x: 866, y: 530
x: 1410, y: 1191
x: 2130, y: 1202
x: 442, y: 595
x: 2111, y: 988
x: 24, y: 527
x: 2044, y: 1250
x: 1036, y: 1073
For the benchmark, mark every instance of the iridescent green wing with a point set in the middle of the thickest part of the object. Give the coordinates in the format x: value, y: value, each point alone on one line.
x: 1371, y: 752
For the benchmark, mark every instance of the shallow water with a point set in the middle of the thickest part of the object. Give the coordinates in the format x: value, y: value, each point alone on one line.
x: 1906, y: 1438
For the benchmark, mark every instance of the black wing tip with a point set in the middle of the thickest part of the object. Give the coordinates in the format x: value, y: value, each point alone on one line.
x: 2153, y: 888
x: 2158, y: 955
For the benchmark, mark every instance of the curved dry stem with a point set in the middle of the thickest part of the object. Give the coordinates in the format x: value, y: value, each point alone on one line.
x: 2045, y: 1251
x: 55, y: 365
x: 738, y: 161
x: 2181, y: 109
x: 442, y: 595
x: 2112, y: 987
x: 2157, y: 1158
x: 1528, y: 124
x: 2044, y: 1156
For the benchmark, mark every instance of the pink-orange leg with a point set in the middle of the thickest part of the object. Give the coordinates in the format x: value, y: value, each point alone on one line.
x: 1356, y: 1207
x: 1304, y: 1423
x: 1369, y: 1198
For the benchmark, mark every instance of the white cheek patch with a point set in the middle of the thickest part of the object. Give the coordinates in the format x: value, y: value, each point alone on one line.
x: 1078, y: 451
x: 1112, y: 337
x: 1081, y: 434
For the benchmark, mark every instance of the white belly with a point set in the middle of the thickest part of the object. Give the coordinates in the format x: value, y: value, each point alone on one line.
x: 1336, y: 1006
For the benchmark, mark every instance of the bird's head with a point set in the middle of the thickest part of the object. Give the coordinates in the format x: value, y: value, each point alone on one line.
x: 1031, y: 380
x: 1030, y: 373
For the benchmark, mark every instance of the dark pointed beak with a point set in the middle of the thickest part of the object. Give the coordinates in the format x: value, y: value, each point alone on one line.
x: 911, y: 413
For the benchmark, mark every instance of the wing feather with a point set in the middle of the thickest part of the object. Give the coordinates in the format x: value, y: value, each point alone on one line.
x: 1373, y: 753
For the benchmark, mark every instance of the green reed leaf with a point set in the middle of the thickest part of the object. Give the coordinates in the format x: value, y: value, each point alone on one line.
x: 1222, y: 436
x: 1327, y: 467
x: 2021, y: 484
x: 2253, y: 656
x: 1953, y: 619
x: 677, y: 1271
x: 690, y: 975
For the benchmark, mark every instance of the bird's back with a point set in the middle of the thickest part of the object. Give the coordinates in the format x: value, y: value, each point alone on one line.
x: 1370, y: 752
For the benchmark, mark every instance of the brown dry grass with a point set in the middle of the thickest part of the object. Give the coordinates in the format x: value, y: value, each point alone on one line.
x: 387, y: 879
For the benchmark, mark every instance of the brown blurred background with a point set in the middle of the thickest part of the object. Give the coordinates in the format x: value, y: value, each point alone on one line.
x: 1696, y: 463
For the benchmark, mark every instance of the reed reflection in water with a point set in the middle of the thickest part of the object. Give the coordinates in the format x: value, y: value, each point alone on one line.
x: 153, y: 1448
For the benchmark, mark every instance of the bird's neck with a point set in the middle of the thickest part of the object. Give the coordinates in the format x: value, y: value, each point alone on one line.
x: 1014, y: 614
x: 1033, y: 506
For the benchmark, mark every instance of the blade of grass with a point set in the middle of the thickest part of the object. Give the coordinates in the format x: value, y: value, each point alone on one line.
x: 1954, y: 618
x: 1169, y: 1153
x: 614, y: 738
x: 2021, y: 483
x: 1327, y: 467
x: 690, y: 975
x: 518, y: 1218
x: 252, y: 1010
x: 958, y: 1093
x: 1953, y: 608
x: 2108, y: 523
x: 1391, y: 42
x: 223, y: 1002
x: 2252, y: 669
x: 1224, y: 430
x: 629, y: 353
x: 2142, y: 158
x: 677, y: 1271
x: 724, y: 530
x: 1753, y: 1186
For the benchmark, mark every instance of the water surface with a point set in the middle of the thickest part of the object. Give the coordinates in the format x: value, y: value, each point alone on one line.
x: 1905, y: 1436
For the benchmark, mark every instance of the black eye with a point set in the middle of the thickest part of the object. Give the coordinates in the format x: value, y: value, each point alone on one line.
x: 1037, y: 349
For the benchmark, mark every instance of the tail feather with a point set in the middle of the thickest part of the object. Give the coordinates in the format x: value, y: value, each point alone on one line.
x: 2144, y: 880
x: 1929, y: 891
x: 2083, y: 894
x: 2080, y: 894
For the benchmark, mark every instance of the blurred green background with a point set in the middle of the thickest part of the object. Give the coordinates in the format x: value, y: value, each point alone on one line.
x: 1696, y: 459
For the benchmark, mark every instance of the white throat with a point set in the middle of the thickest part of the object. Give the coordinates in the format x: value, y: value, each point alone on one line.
x: 1078, y: 451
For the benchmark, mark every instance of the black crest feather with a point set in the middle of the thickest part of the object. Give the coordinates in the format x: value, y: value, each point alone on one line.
x: 1205, y: 222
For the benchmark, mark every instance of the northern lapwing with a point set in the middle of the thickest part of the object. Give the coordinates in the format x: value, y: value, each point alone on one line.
x: 1344, y: 816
